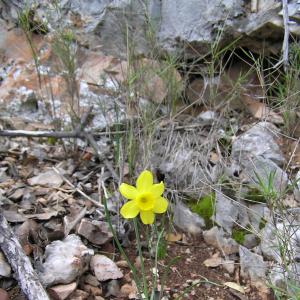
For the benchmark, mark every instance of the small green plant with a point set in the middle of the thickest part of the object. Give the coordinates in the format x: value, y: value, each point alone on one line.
x: 65, y: 48
x: 144, y: 200
x: 255, y: 195
x: 267, y: 187
x: 205, y: 208
x: 27, y: 24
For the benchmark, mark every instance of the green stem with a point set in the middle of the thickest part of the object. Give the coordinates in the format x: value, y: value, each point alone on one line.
x: 159, y: 236
x: 139, y: 246
x: 131, y: 266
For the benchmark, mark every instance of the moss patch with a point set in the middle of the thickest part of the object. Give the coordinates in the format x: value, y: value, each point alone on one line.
x: 204, y: 207
x: 238, y: 234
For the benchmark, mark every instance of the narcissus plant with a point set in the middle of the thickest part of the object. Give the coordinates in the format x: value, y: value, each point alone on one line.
x: 145, y: 199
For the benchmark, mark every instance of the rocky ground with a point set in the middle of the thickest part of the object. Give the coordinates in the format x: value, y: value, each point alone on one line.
x: 76, y: 121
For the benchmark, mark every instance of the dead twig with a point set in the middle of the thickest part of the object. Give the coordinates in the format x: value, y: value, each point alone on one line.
x: 20, y: 263
x: 55, y: 134
x: 77, y: 189
x: 285, y: 45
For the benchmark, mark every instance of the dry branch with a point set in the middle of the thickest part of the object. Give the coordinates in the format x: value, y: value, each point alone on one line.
x: 285, y: 45
x: 55, y: 134
x: 20, y: 263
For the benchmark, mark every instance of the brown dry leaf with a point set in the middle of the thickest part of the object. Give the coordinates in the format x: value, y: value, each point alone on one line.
x: 173, y: 237
x: 214, y: 157
x: 13, y: 216
x: 261, y: 111
x: 235, y: 286
x: 213, y: 262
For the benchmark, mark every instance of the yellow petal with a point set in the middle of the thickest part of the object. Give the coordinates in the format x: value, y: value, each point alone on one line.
x: 128, y: 191
x: 157, y: 189
x: 144, y: 181
x: 160, y: 205
x: 147, y: 216
x: 129, y: 210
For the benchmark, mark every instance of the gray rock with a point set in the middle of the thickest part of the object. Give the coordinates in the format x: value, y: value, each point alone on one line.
x: 172, y: 24
x: 256, y: 213
x: 65, y: 261
x: 253, y: 267
x: 286, y: 277
x: 226, y: 212
x: 294, y: 278
x: 108, y: 110
x: 183, y: 165
x: 286, y: 235
x: 217, y: 238
x: 269, y: 243
x: 113, y: 288
x: 251, y: 240
x: 262, y: 169
x: 208, y: 117
x: 186, y: 220
x: 259, y: 140
x: 277, y: 277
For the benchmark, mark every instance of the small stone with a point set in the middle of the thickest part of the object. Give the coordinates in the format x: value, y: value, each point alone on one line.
x: 256, y: 212
x: 250, y: 240
x: 65, y: 261
x: 127, y: 289
x: 226, y: 212
x: 259, y: 140
x: 217, y: 238
x: 79, y: 295
x: 207, y: 117
x: 4, y: 295
x: 96, y: 232
x: 260, y: 169
x: 122, y: 264
x: 229, y: 266
x: 186, y: 220
x: 277, y: 277
x: 104, y: 268
x: 93, y: 290
x: 113, y: 289
x: 91, y: 280
x: 61, y: 292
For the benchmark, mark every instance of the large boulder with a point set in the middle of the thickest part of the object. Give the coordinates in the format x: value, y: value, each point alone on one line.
x: 191, y: 27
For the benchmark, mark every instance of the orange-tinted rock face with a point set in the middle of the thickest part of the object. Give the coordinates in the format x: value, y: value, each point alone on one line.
x: 16, y: 46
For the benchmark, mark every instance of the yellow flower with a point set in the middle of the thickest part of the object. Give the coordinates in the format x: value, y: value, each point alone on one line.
x: 145, y: 199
